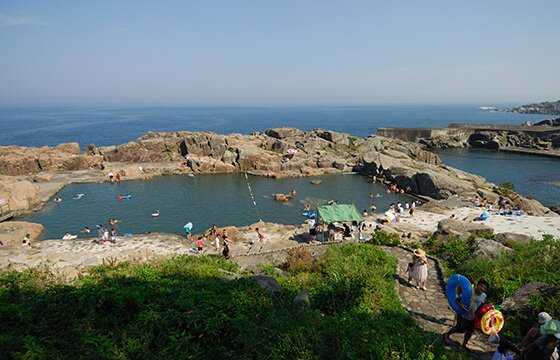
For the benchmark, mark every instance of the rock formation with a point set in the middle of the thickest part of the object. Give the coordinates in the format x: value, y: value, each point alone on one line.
x: 278, y: 153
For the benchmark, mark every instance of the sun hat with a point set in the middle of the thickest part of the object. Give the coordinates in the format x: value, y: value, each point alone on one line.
x: 544, y: 317
x: 419, y: 252
x: 551, y: 327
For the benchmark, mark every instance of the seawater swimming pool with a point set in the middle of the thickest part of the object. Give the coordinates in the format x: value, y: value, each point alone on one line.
x: 221, y: 199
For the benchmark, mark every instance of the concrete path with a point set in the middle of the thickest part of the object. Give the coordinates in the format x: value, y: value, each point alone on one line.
x: 430, y: 308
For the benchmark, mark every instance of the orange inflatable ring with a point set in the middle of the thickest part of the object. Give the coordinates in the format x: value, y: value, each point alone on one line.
x: 492, y: 322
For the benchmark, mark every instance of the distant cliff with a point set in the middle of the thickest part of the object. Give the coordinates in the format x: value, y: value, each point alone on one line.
x: 544, y: 108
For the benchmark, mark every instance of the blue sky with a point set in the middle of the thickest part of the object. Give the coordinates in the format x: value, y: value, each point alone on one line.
x: 279, y: 52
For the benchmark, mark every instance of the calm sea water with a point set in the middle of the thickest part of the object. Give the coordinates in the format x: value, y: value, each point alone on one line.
x: 536, y: 176
x: 52, y: 125
x: 221, y: 199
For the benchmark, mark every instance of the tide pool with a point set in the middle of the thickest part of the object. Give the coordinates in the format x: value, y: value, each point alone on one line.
x: 532, y: 175
x: 221, y: 199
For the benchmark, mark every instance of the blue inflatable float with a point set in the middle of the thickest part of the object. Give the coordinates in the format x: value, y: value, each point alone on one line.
x: 466, y: 295
x: 310, y: 214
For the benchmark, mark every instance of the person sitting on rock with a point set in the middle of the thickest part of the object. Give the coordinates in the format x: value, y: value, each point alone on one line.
x: 534, y: 332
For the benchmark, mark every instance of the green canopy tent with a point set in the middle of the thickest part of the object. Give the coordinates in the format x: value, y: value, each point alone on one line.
x: 339, y: 213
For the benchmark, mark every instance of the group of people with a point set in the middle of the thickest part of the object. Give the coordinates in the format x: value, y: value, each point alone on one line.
x: 539, y: 343
x: 105, y: 237
x: 113, y: 177
x: 504, y: 206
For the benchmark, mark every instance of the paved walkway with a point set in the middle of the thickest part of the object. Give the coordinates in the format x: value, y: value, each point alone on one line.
x: 430, y: 308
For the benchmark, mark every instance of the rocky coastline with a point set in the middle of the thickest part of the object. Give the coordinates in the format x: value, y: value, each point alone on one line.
x: 29, y: 177
x: 543, y: 108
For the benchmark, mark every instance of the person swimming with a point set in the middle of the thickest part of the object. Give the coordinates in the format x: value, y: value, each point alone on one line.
x: 79, y: 196
x: 85, y: 230
x: 155, y: 213
x: 113, y: 222
x: 57, y: 200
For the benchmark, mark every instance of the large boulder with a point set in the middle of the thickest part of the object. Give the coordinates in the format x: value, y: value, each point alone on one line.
x: 12, y: 232
x: 509, y: 238
x: 520, y: 300
x: 283, y: 132
x: 17, y: 194
x: 267, y: 282
x: 486, y: 248
x: 462, y: 229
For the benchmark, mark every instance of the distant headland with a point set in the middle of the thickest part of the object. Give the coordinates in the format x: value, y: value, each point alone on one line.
x: 542, y: 108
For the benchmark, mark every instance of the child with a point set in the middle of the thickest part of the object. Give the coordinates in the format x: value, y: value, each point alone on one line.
x: 199, y: 244
x: 409, y: 271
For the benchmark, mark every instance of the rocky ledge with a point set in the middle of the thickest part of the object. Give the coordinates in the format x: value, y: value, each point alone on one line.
x: 31, y: 176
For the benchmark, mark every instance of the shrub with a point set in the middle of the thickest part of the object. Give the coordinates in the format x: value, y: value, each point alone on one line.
x: 385, y: 238
x: 299, y: 260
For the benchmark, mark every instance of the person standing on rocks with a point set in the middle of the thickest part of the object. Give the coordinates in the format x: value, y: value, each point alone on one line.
x: 464, y: 322
x: 260, y: 236
x: 312, y: 231
x: 226, y: 243
x: 420, y: 268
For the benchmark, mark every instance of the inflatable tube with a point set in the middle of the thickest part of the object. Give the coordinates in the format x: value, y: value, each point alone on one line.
x: 480, y: 313
x: 466, y: 296
x: 492, y: 322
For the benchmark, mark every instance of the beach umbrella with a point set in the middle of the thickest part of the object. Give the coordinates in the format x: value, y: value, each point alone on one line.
x: 291, y: 151
x: 188, y: 226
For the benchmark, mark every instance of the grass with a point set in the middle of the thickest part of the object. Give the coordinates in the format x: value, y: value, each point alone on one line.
x: 179, y: 308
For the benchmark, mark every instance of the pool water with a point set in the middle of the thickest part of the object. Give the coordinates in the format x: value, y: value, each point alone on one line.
x: 221, y: 199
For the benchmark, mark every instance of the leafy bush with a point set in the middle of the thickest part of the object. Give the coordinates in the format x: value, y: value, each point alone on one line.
x: 179, y: 308
x: 385, y: 238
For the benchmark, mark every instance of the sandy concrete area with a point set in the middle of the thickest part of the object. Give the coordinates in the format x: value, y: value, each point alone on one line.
x: 534, y: 226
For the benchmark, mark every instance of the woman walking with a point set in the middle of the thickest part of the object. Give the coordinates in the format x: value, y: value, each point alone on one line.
x: 420, y: 268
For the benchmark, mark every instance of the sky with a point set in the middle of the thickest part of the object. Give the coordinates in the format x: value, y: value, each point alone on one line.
x: 279, y: 52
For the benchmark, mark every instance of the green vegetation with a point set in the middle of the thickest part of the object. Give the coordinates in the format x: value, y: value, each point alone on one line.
x: 385, y: 238
x: 179, y: 308
x: 506, y: 189
x: 535, y: 261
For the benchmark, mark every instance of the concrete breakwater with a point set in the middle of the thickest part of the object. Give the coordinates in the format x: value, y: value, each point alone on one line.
x: 536, y: 139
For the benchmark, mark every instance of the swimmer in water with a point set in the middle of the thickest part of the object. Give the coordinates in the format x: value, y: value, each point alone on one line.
x: 79, y: 196
x: 57, y: 200
x: 85, y: 230
x: 155, y: 213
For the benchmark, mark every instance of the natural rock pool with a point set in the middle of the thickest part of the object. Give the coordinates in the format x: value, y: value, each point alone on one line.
x: 221, y: 199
